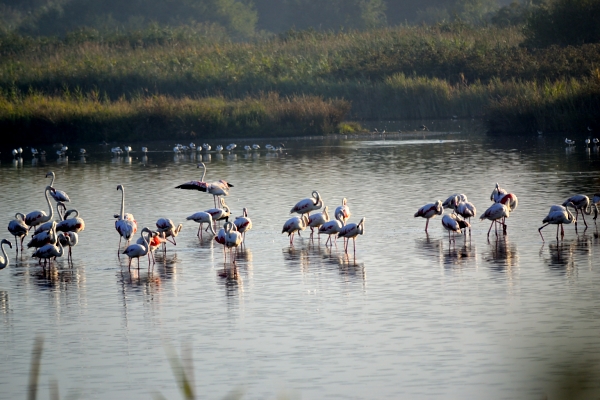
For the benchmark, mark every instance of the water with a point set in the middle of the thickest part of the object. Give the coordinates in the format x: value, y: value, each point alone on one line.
x: 409, y: 317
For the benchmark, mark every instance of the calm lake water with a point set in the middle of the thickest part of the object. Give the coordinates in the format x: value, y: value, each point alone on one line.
x: 410, y: 317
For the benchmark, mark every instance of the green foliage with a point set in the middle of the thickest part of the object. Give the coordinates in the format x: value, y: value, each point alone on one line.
x: 563, y: 22
x: 514, y: 14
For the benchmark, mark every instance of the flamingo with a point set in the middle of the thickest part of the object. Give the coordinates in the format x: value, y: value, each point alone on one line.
x: 450, y: 202
x: 569, y: 142
x: 218, y: 188
x: 168, y: 227
x: 219, y: 148
x: 558, y: 215
x: 48, y: 251
x: 233, y: 238
x: 68, y: 239
x: 429, y: 211
x: 60, y: 209
x: 155, y: 239
x: 500, y: 195
x: 309, y: 204
x: 255, y: 147
x: 138, y: 250
x: 231, y: 147
x: 343, y: 210
x: 293, y: 225
x: 221, y: 237
x: 332, y: 227
x: 74, y: 224
x: 171, y: 233
x: 202, y: 217
x: 219, y: 214
x: 44, y: 237
x: 243, y: 224
x: 466, y: 209
x: 579, y: 202
x: 125, y: 223
x: 452, y: 224
x: 57, y: 195
x: 595, y: 203
x: 18, y: 228
x: 352, y: 231
x: 495, y: 212
x: 317, y: 220
x: 38, y: 217
x: 4, y: 260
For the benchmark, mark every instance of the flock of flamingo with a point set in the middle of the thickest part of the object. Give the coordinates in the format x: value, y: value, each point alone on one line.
x: 503, y: 204
x: 51, y: 237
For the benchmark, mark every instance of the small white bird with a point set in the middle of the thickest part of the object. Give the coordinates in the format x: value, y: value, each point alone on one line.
x: 569, y: 142
x: 231, y: 147
x: 247, y: 148
x: 255, y: 147
x: 144, y: 150
x: 219, y: 148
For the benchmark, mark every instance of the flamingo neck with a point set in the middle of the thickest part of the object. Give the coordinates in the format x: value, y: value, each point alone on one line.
x: 4, y: 261
x: 51, y: 216
x: 212, y: 230
x: 122, y: 203
x: 53, y: 178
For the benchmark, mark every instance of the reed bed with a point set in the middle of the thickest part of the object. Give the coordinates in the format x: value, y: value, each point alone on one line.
x: 395, y: 73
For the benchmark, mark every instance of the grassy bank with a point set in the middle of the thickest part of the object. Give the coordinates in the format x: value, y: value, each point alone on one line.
x: 75, y: 117
x: 399, y: 73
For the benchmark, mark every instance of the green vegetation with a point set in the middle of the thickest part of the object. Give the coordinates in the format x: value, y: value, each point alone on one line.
x: 92, y: 84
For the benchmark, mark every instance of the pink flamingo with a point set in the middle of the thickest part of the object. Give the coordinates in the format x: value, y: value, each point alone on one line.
x: 429, y: 211
x: 218, y: 188
x: 466, y: 209
x: 243, y: 224
x: 57, y: 195
x: 343, y: 210
x: 454, y: 225
x: 202, y: 217
x: 332, y: 227
x: 138, y: 250
x: 18, y: 228
x: 38, y: 217
x: 579, y: 202
x: 74, y: 224
x: 318, y: 219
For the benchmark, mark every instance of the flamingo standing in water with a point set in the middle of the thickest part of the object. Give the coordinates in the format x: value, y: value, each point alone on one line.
x: 4, y: 260
x: 330, y: 228
x: 558, y: 216
x: 69, y: 239
x: 44, y: 237
x: 48, y: 251
x: 74, y: 224
x: 168, y: 227
x: 202, y: 217
x: 579, y: 202
x: 494, y: 213
x: 243, y: 224
x: 429, y: 211
x: 454, y: 225
x: 18, y: 228
x: 451, y: 201
x: 305, y: 206
x: 293, y: 225
x: 125, y: 224
x: 233, y: 239
x: 352, y: 231
x: 343, y: 210
x: 57, y: 195
x: 466, y: 209
x: 38, y: 217
x: 595, y: 203
x: 138, y: 250
x: 219, y: 214
x: 218, y: 188
x: 317, y: 220
x: 155, y: 239
x: 502, y: 196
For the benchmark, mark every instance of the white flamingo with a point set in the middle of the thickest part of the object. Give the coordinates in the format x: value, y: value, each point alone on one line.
x: 293, y: 225
x: 38, y: 217
x: 222, y: 213
x: 155, y: 239
x: 558, y: 216
x: 202, y: 217
x: 243, y: 224
x: 46, y: 226
x: 217, y: 188
x: 317, y: 220
x: 579, y: 202
x: 454, y: 225
x: 48, y: 251
x: 4, y: 260
x: 330, y: 228
x: 125, y: 223
x: 451, y: 201
x: 467, y: 210
x: 18, y: 228
x: 168, y: 227
x: 494, y: 213
x: 233, y: 238
x: 351, y: 231
x: 136, y: 250
x: 57, y: 195
x: 305, y: 206
x: 429, y: 211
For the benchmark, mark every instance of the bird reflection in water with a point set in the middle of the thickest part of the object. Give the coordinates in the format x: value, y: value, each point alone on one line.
x: 219, y: 157
x: 4, y: 306
x: 502, y: 255
x: 206, y: 158
x: 460, y: 256
x: 319, y: 257
x: 430, y: 247
x: 564, y: 253
x: 296, y: 256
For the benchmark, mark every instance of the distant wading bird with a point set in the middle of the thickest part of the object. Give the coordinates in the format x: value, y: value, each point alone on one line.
x: 429, y: 211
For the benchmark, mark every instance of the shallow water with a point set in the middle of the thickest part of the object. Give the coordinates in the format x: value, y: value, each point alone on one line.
x: 410, y: 316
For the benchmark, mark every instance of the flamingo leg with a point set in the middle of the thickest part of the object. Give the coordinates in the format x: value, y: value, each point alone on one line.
x: 426, y: 225
x: 583, y: 216
x: 557, y: 231
x: 540, y: 231
x: 354, y: 244
x: 489, y: 230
